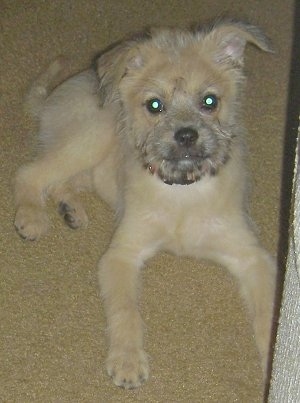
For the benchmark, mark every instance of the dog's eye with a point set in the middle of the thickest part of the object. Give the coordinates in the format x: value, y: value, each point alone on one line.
x: 209, y: 103
x: 154, y: 105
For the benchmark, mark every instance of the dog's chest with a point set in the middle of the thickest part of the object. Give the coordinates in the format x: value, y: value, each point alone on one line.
x: 193, y: 234
x: 191, y: 218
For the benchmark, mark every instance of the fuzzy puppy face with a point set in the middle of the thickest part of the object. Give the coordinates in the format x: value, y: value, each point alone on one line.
x: 179, y: 99
x: 178, y: 110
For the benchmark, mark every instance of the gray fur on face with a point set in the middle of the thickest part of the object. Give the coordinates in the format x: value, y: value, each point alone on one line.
x: 157, y: 142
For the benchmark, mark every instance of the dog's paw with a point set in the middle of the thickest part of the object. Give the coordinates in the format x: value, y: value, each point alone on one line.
x: 31, y: 222
x: 73, y: 214
x: 128, y: 369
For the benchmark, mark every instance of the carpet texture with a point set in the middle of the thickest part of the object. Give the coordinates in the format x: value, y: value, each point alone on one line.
x: 198, y: 336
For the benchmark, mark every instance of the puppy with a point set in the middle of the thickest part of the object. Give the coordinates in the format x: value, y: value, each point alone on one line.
x: 154, y: 128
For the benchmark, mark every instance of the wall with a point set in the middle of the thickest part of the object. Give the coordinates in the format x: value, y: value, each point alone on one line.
x: 285, y: 383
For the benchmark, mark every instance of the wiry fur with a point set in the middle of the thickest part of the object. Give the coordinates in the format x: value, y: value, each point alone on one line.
x: 172, y: 192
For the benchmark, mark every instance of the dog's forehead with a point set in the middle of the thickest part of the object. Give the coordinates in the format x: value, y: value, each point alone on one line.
x: 184, y: 70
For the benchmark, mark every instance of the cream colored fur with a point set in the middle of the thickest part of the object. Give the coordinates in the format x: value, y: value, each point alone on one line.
x: 97, y: 133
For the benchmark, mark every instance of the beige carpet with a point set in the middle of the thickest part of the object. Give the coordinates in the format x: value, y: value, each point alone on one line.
x: 53, y: 343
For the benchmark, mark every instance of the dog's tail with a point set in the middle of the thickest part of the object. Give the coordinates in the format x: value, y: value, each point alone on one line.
x: 40, y: 89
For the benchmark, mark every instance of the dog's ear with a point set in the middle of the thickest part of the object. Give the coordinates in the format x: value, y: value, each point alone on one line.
x: 113, y: 64
x: 228, y: 40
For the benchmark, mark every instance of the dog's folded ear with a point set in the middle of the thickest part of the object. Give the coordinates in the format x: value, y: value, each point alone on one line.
x: 228, y: 39
x: 113, y: 64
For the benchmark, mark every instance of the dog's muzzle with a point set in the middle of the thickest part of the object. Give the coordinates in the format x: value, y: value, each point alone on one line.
x: 178, y: 168
x: 181, y: 161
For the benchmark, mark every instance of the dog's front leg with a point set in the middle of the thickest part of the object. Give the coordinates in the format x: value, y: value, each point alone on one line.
x: 233, y: 244
x: 119, y: 271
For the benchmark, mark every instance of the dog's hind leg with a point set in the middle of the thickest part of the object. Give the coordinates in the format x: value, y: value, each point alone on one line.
x: 69, y: 205
x: 77, y: 148
x: 32, y: 187
x: 34, y: 183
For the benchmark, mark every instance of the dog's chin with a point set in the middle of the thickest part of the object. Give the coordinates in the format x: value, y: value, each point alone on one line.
x: 181, y: 171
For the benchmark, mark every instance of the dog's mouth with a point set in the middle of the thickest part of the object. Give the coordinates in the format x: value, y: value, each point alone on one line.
x: 183, y: 171
x: 177, y: 180
x: 185, y: 164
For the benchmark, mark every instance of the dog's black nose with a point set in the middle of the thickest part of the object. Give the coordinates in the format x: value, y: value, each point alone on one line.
x: 186, y: 136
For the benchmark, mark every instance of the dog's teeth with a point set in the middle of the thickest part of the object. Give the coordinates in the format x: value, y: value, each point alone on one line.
x: 190, y: 176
